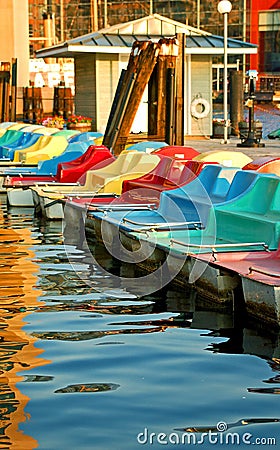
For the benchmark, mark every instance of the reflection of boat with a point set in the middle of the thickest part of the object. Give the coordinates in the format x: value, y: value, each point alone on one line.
x: 86, y: 388
x: 17, y: 349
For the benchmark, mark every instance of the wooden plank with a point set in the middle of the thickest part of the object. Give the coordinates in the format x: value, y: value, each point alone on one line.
x: 142, y: 61
x: 180, y: 82
x: 148, y: 63
x: 170, y: 107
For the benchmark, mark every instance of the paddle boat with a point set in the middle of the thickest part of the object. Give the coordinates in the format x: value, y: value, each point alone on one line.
x: 9, y: 137
x: 256, y: 274
x: 106, y: 180
x: 174, y: 168
x: 32, y: 127
x: 264, y: 164
x: 148, y: 188
x: 177, y: 151
x: 137, y: 193
x: 49, y: 146
x: 6, y: 125
x: 17, y: 126
x: 274, y: 134
x: 25, y: 140
x: 68, y: 167
x: 225, y: 157
x: 146, y: 146
x: 261, y: 286
x: 189, y: 204
x: 95, y: 136
x: 248, y: 219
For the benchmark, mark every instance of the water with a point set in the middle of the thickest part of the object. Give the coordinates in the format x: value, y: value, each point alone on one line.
x: 266, y: 113
x: 86, y: 365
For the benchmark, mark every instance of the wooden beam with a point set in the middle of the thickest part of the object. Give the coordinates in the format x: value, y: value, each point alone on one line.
x: 180, y: 93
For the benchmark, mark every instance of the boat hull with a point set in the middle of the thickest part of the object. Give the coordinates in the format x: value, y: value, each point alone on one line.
x: 262, y: 300
x: 20, y: 197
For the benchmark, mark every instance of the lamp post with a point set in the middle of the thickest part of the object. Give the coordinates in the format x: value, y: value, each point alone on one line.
x: 224, y: 7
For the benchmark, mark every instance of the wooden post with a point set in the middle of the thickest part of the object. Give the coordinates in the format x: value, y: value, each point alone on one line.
x: 4, y: 90
x: 32, y: 104
x: 170, y: 106
x: 144, y: 57
x: 167, y: 89
x: 140, y: 67
x: 236, y: 100
x: 14, y: 91
x: 180, y: 92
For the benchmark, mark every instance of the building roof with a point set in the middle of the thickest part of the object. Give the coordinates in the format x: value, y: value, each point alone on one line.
x: 120, y: 38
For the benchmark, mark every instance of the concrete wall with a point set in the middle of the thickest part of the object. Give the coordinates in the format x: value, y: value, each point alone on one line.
x: 14, y: 36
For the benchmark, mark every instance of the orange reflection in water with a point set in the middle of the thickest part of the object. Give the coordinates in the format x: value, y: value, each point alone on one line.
x: 18, y: 297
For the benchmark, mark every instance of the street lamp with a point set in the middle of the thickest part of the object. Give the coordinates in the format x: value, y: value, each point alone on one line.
x: 224, y: 7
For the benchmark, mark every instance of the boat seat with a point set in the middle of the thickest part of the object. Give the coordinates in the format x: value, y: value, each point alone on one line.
x: 148, y: 187
x: 195, y: 198
x: 254, y: 214
x: 225, y: 157
x: 127, y: 165
x: 146, y: 146
x: 55, y: 145
x: 40, y: 143
x: 97, y: 156
x: 265, y: 164
x: 51, y: 166
x: 92, y: 136
x: 106, y: 180
x: 177, y: 151
x: 189, y: 203
x: 28, y: 139
x: 168, y: 174
x: 9, y: 137
x: 244, y: 223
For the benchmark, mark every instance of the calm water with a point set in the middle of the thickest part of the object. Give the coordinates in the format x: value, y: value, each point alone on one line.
x: 268, y: 114
x: 85, y: 365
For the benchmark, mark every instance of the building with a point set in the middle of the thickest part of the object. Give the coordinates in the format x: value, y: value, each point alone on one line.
x: 100, y: 56
x: 263, y: 28
x: 14, y: 36
x: 252, y: 21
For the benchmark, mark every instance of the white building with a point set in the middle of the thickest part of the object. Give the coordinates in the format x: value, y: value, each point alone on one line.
x: 99, y: 58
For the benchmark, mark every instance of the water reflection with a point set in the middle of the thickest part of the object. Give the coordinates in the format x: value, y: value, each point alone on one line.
x: 18, y: 351
x: 86, y: 388
x: 218, y: 427
x: 39, y: 280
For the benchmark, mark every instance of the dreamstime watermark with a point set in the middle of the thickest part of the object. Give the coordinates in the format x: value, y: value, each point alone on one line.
x: 166, y: 263
x: 220, y: 436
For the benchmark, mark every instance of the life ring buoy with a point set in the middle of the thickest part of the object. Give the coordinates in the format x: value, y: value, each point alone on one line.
x: 202, y: 111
